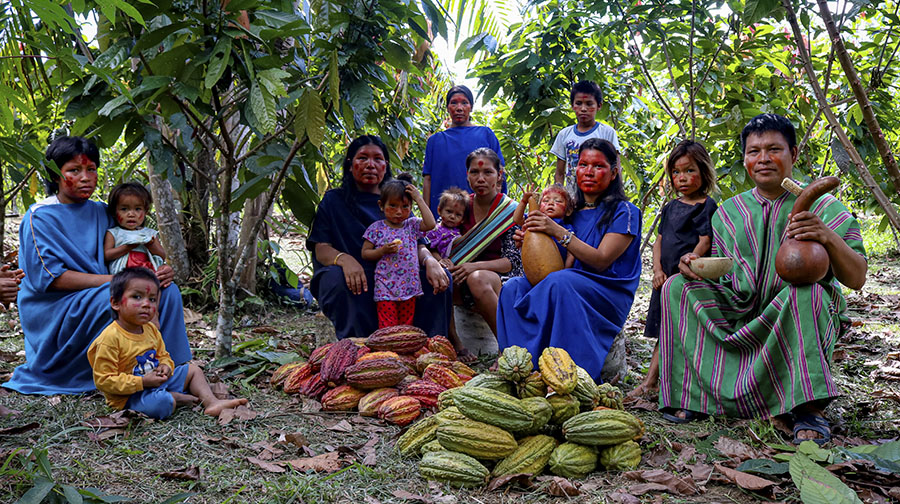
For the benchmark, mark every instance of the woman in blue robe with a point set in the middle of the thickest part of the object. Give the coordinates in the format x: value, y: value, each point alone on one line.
x: 64, y: 297
x: 343, y: 282
x: 580, y: 309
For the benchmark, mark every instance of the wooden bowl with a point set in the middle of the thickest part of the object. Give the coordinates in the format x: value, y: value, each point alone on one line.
x: 711, y: 268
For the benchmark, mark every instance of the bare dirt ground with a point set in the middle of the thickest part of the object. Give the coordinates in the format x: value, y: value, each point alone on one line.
x: 282, y: 449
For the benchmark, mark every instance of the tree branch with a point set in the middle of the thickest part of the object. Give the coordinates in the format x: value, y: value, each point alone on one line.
x: 691, y: 69
x: 12, y: 193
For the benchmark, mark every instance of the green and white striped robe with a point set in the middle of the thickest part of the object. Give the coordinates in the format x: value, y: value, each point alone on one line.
x: 750, y: 344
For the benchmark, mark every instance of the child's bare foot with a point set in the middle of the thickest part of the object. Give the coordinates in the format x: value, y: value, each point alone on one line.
x: 644, y: 390
x: 185, y: 399
x: 216, y: 407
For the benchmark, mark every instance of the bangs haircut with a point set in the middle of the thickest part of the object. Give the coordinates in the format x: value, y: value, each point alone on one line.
x: 61, y: 151
x: 763, y: 123
x: 128, y: 189
x: 586, y: 87
x: 347, y: 181
x: 562, y: 191
x: 120, y: 280
x: 700, y: 155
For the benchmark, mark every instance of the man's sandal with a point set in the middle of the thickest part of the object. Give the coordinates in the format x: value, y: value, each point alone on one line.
x: 671, y: 414
x: 811, y: 422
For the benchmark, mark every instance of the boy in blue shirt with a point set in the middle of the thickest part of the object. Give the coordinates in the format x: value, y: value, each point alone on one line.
x: 585, y: 99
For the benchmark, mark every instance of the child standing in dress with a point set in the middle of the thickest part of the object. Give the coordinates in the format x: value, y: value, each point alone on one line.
x: 130, y: 244
x: 451, y: 209
x: 393, y: 243
x: 556, y: 203
x: 684, y: 227
x: 130, y: 362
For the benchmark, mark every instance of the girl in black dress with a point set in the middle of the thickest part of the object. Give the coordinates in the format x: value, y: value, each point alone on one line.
x: 684, y: 227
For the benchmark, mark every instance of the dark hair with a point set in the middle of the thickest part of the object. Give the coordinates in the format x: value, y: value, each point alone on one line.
x: 347, y: 181
x: 586, y: 87
x: 396, y: 188
x: 61, y: 151
x: 452, y: 195
x: 698, y: 153
x: 457, y: 90
x: 120, y: 280
x: 128, y: 189
x: 561, y: 190
x: 484, y: 152
x: 615, y: 192
x: 770, y: 122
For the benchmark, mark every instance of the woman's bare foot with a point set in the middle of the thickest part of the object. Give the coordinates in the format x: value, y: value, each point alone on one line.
x: 465, y: 356
x: 185, y: 399
x: 215, y: 408
x: 644, y: 390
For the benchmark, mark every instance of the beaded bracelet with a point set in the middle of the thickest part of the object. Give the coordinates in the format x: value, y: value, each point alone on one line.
x: 566, y: 239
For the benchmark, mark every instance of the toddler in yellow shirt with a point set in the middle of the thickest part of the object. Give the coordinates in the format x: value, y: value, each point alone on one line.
x: 131, y: 365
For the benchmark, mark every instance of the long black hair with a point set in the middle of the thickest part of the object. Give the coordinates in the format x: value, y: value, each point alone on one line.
x: 61, y: 151
x: 615, y: 192
x: 347, y: 181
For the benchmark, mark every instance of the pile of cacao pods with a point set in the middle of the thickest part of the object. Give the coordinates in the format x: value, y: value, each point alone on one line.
x: 394, y: 374
x: 522, y: 421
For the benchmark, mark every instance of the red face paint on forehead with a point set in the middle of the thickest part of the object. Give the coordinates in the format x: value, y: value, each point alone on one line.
x: 82, y: 159
x: 480, y: 163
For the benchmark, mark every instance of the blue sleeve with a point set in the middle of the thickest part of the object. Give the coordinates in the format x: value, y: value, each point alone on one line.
x: 39, y: 258
x: 626, y: 220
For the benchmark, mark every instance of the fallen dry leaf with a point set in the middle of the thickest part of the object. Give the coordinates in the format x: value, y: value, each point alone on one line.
x: 700, y: 472
x: 4, y: 411
x: 18, y: 429
x: 403, y: 494
x: 342, y: 426
x: 224, y: 440
x: 191, y: 317
x: 558, y: 486
x: 623, y: 498
x: 687, y: 453
x: 672, y: 483
x: 886, y: 394
x: 658, y: 457
x: 734, y: 448
x: 639, y: 403
x: 372, y: 500
x: 267, y: 451
x: 368, y: 453
x: 265, y: 329
x: 220, y: 390
x: 310, y: 405
x: 295, y: 438
x: 744, y: 480
x: 242, y: 412
x: 326, y: 462
x: 521, y: 479
x: 192, y: 473
x: 642, y: 488
x: 266, y: 465
x: 226, y: 416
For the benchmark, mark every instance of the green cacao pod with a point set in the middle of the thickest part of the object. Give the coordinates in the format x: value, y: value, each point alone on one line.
x: 431, y: 446
x: 400, y: 410
x: 445, y: 399
x: 603, y: 428
x: 572, y: 460
x: 586, y: 390
x: 369, y: 404
x: 402, y: 339
x: 514, y: 364
x: 491, y: 381
x: 530, y: 457
x: 451, y: 413
x: 558, y: 370
x: 342, y: 398
x: 610, y: 396
x: 532, y: 386
x: 441, y: 345
x: 540, y: 409
x: 564, y: 407
x: 621, y: 457
x: 442, y: 375
x: 492, y: 407
x: 371, y: 374
x: 456, y: 469
x: 339, y: 357
x: 416, y: 435
x: 477, y: 439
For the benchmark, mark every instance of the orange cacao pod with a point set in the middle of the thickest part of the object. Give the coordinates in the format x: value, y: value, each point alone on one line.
x: 342, y: 398
x: 318, y: 355
x: 441, y: 345
x: 296, y: 378
x: 424, y: 360
x: 442, y: 375
x: 400, y: 410
x: 400, y: 339
x: 376, y: 373
x: 369, y: 404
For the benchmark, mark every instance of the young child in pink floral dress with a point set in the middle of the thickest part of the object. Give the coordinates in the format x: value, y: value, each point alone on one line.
x: 451, y: 209
x: 393, y: 243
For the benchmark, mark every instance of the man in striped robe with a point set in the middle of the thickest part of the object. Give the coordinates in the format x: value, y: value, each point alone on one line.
x: 750, y: 344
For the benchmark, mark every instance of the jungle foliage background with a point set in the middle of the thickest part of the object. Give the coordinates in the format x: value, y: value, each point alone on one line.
x: 237, y: 113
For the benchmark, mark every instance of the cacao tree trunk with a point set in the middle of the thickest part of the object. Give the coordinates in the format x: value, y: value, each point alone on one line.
x: 253, y: 211
x: 196, y: 208
x: 167, y: 219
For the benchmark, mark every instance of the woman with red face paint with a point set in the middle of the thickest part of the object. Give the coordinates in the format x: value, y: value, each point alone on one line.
x: 446, y: 151
x: 343, y: 281
x: 64, y: 297
x: 582, y: 308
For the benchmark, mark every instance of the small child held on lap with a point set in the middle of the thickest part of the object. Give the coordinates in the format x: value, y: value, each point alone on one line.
x: 130, y: 244
x: 684, y: 227
x: 131, y: 365
x: 393, y: 242
x: 451, y: 209
x: 556, y: 203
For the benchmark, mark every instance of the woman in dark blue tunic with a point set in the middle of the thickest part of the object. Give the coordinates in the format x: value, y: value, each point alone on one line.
x: 343, y: 282
x: 580, y: 309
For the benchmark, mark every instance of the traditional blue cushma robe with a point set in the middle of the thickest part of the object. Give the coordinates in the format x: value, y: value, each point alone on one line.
x: 341, y: 219
x: 578, y: 309
x: 60, y: 325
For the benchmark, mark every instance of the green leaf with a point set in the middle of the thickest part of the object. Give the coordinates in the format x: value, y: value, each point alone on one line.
x: 763, y: 466
x: 334, y: 81
x: 220, y: 58
x: 310, y: 118
x: 263, y: 106
x: 36, y: 494
x: 817, y: 485
x: 278, y: 357
x: 273, y: 80
x: 250, y: 189
x: 156, y: 37
x: 133, y: 13
x: 71, y: 494
x: 756, y: 10
x: 815, y: 452
x: 302, y: 203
